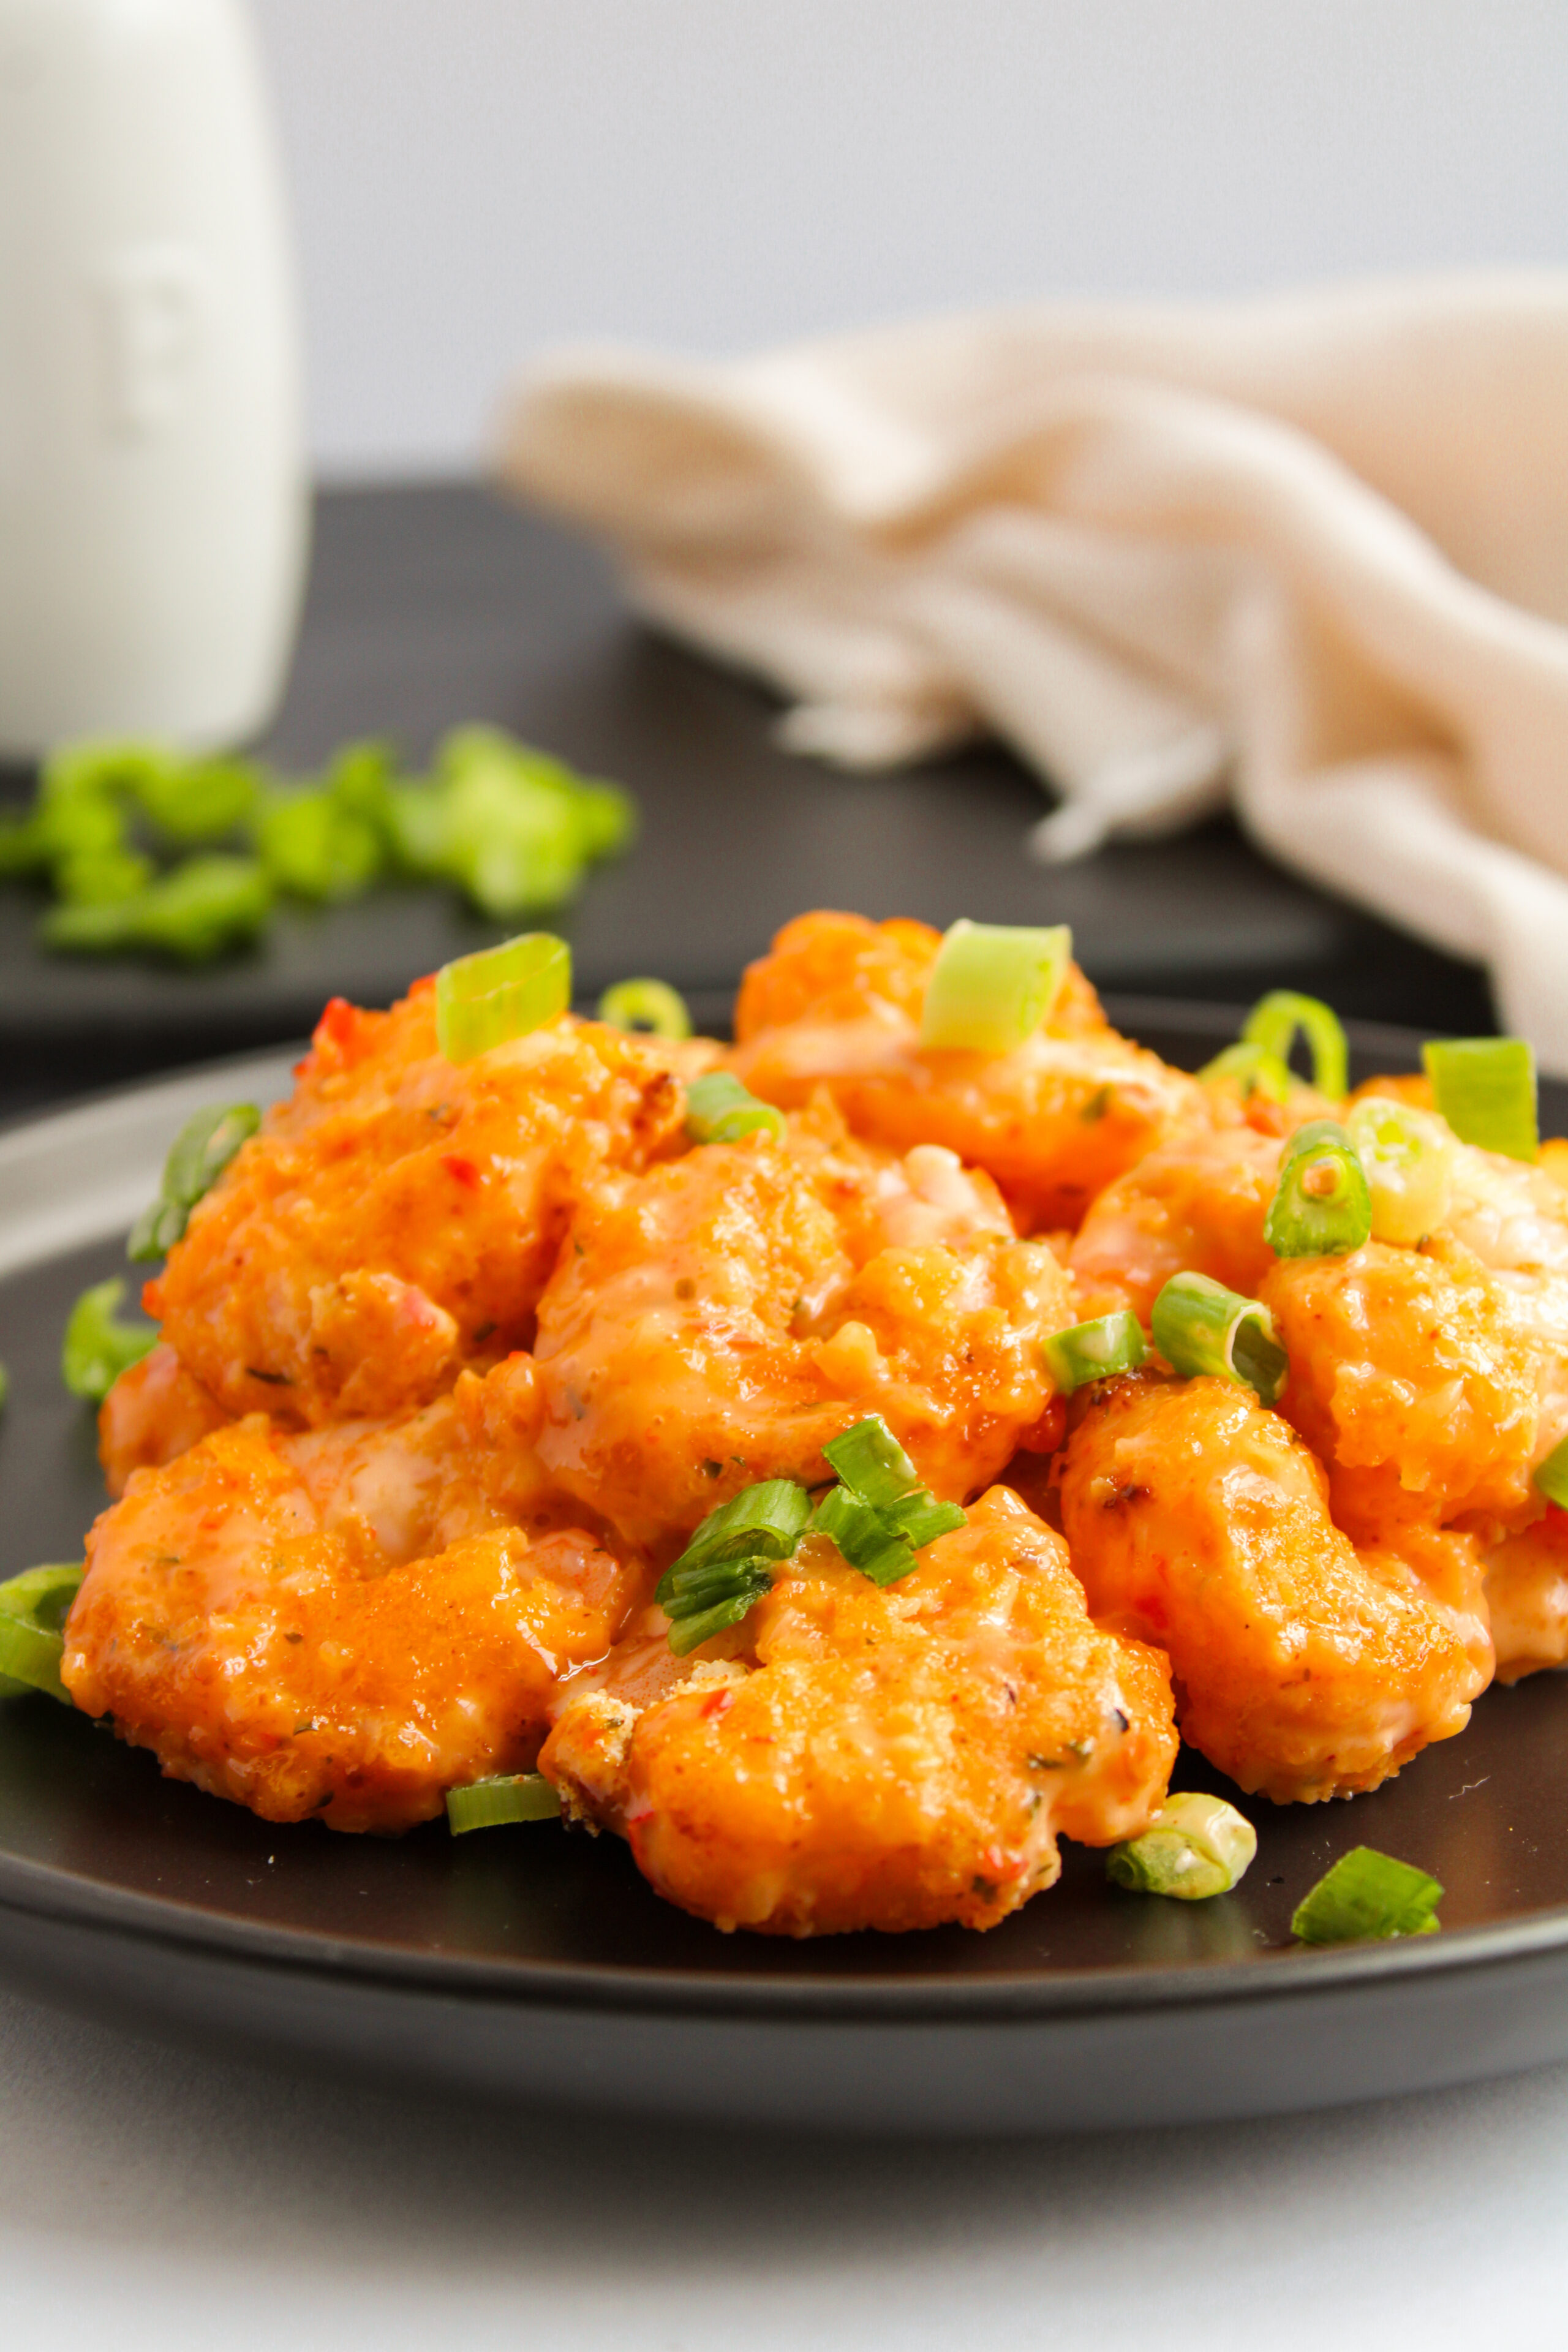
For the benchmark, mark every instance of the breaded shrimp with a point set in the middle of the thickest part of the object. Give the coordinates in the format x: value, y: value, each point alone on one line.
x: 887, y: 1759
x: 837, y: 1003
x: 1195, y: 1204
x: 717, y: 1320
x: 153, y: 1411
x: 344, y: 1622
x: 398, y: 1218
x: 1527, y: 1594
x: 1198, y: 1521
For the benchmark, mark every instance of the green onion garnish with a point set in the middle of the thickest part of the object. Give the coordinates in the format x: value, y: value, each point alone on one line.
x: 719, y: 1109
x: 1367, y: 1894
x: 920, y: 1519
x: 1322, y: 1207
x: 1200, y: 1327
x: 95, y: 1349
x: 1194, y: 1847
x: 484, y: 1000
x: 992, y: 985
x: 1094, y: 1351
x: 1274, y: 1023
x: 507, y: 1797
x: 1253, y: 1067
x: 650, y: 1004
x: 191, y: 913
x: 314, y: 846
x: 1551, y: 1476
x: 864, y: 1535
x: 729, y: 1563
x: 197, y: 1158
x: 1485, y: 1088
x: 1408, y: 1157
x: 34, y: 1607
x: 872, y: 1463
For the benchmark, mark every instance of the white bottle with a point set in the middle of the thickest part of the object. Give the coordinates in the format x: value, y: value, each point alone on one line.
x: 154, y: 511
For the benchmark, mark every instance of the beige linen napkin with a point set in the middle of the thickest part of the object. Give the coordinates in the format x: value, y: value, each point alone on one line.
x: 1312, y: 552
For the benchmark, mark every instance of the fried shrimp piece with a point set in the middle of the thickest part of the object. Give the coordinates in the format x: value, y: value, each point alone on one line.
x: 1411, y: 1375
x: 153, y: 1411
x: 396, y: 1219
x: 717, y: 1320
x: 1304, y: 1667
x: 887, y: 1759
x: 1526, y: 1595
x: 1196, y: 1204
x: 344, y: 1622
x: 837, y: 1003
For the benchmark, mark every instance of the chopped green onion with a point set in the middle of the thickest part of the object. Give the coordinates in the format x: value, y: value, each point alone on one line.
x: 1274, y: 1023
x: 650, y: 1004
x: 506, y: 1796
x: 191, y: 913
x: 1485, y: 1088
x: 701, y: 1601
x: 484, y: 1000
x: 1200, y: 1327
x: 864, y: 1536
x: 197, y: 1158
x: 1368, y: 1895
x: 1194, y: 1847
x: 767, y: 1519
x: 1097, y: 1350
x: 34, y: 1607
x: 196, y: 801
x: 1408, y: 1159
x: 719, y: 1109
x: 992, y: 985
x: 1322, y: 1207
x: 920, y: 1519
x: 1257, y: 1070
x: 606, y: 819
x: 312, y: 844
x: 872, y: 1463
x: 102, y: 877
x: 95, y: 1349
x: 1551, y: 1476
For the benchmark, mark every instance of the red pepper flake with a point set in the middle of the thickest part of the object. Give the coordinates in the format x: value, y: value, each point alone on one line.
x: 461, y: 1170
x: 717, y: 1702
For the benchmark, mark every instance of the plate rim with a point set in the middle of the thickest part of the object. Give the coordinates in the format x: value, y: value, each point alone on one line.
x: 40, y: 1153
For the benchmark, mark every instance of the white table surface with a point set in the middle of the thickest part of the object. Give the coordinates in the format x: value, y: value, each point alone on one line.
x: 157, y: 2197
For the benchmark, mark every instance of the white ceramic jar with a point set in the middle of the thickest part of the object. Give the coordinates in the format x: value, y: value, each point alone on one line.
x: 154, y: 509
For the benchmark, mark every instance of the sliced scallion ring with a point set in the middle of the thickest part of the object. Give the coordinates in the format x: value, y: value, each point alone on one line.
x: 864, y: 1536
x: 1322, y: 1207
x: 506, y: 1796
x: 872, y: 1463
x: 1368, y: 1895
x: 992, y: 985
x: 1485, y: 1088
x: 1199, y: 1327
x: 765, y: 1520
x: 648, y: 1004
x: 719, y: 1109
x: 920, y: 1519
x: 34, y: 1607
x: 1551, y: 1477
x: 1408, y: 1157
x: 1097, y: 1350
x: 95, y: 1349
x: 484, y: 1000
x: 197, y: 1158
x: 1253, y: 1067
x: 1275, y: 1022
x: 1195, y: 1847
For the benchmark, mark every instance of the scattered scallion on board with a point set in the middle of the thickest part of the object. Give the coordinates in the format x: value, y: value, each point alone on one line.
x: 1199, y: 1327
x: 1368, y: 1895
x: 1485, y: 1088
x: 96, y: 1349
x: 1321, y: 1206
x: 147, y: 849
x: 505, y: 1797
x: 197, y: 1158
x: 1195, y: 1847
x: 33, y: 1611
x: 1097, y: 1350
x: 992, y: 985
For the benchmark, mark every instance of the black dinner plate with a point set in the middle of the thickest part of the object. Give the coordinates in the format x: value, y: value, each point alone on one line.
x: 536, y: 1964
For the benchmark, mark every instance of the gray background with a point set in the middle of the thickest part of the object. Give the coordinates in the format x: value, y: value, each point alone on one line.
x: 474, y: 178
